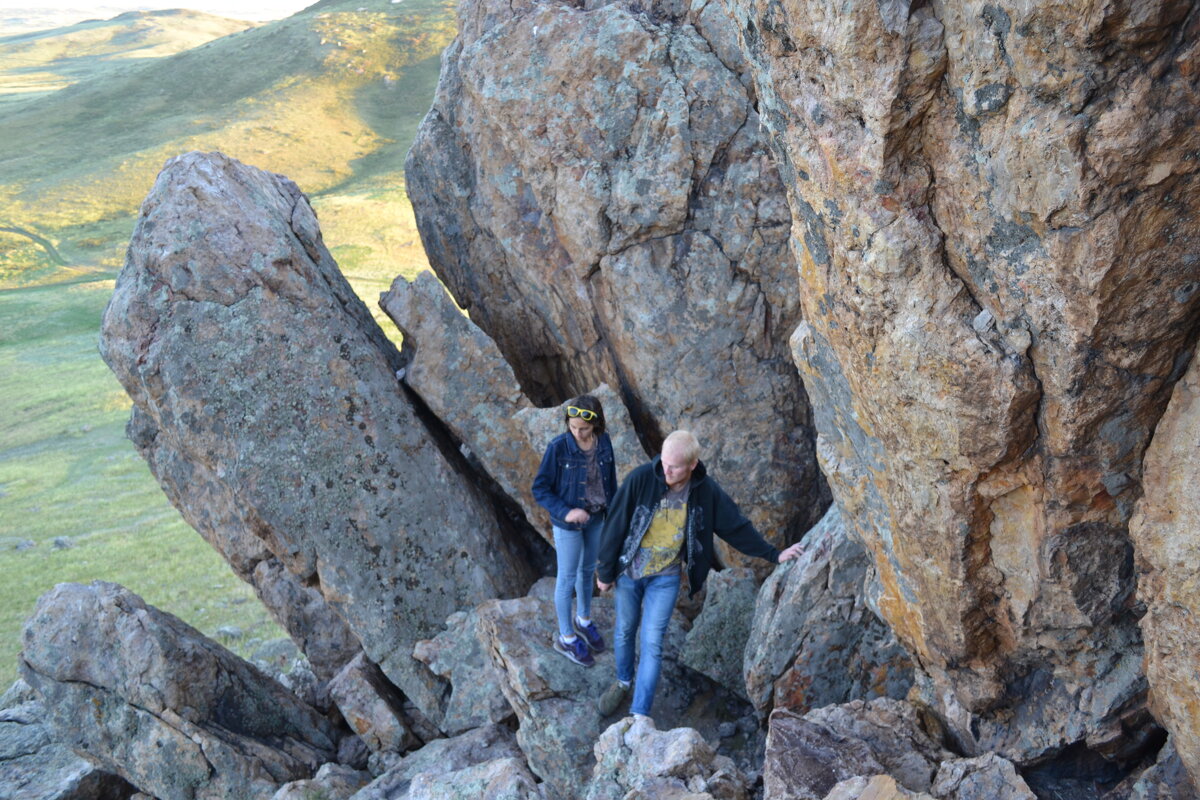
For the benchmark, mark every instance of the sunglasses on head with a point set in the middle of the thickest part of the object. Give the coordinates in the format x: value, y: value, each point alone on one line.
x: 585, y: 414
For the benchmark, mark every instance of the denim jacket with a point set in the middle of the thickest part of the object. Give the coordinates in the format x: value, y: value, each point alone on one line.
x: 562, y: 477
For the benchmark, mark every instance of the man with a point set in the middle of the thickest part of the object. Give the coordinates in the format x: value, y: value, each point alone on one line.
x: 662, y: 518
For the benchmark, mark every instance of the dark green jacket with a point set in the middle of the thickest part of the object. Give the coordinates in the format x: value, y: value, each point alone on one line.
x: 709, y: 511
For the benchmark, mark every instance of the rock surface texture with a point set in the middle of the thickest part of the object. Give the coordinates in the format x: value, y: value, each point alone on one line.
x: 994, y: 210
x: 460, y: 374
x: 814, y: 639
x: 1166, y: 531
x: 262, y: 383
x: 152, y: 700
x: 608, y: 213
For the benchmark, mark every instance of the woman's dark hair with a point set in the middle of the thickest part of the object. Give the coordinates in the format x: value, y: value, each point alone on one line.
x: 591, y: 404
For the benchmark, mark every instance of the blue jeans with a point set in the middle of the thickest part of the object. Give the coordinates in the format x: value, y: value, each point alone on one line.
x: 648, y: 602
x: 576, y: 565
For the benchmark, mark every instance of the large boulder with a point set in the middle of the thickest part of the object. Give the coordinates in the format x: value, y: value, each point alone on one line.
x: 460, y: 374
x: 995, y: 219
x: 152, y: 700
x: 1166, y: 531
x: 608, y: 213
x: 271, y: 393
x: 716, y: 644
x: 814, y: 638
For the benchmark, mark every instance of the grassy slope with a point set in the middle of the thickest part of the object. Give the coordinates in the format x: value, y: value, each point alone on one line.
x: 45, y: 61
x: 331, y: 98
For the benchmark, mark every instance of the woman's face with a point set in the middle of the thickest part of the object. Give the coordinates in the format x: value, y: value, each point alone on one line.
x: 582, y: 431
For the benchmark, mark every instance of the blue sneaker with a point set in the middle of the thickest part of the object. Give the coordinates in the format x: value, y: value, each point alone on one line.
x: 591, y: 634
x: 577, y: 651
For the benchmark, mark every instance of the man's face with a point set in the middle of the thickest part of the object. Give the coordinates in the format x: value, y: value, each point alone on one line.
x: 676, y: 468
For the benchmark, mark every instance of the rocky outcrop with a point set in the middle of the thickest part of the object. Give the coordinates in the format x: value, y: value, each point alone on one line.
x: 458, y: 656
x: 35, y: 766
x: 634, y: 759
x: 155, y: 702
x: 372, y: 707
x: 814, y: 638
x: 993, y: 209
x: 263, y: 381
x: 716, y: 644
x: 460, y: 374
x: 1165, y: 531
x: 484, y: 745
x: 608, y: 213
x: 332, y: 782
x: 879, y: 749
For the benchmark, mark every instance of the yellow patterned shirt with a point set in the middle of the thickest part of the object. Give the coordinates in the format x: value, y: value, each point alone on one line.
x: 661, y: 550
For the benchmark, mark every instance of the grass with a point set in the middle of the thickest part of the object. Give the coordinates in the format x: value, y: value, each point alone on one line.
x: 330, y: 97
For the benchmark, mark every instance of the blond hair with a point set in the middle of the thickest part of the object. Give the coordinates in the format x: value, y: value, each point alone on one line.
x: 685, y: 444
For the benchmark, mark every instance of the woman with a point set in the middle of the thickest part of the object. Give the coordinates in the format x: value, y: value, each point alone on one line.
x: 575, y: 483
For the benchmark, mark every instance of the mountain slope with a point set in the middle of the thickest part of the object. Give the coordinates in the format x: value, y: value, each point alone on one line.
x: 329, y: 97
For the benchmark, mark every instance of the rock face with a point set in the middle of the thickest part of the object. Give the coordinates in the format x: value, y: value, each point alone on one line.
x: 608, y: 213
x: 265, y: 384
x: 878, y: 750
x: 154, y: 701
x: 634, y: 759
x: 717, y: 641
x: 994, y: 215
x: 483, y: 745
x: 1165, y: 531
x: 813, y: 639
x: 34, y: 766
x: 460, y: 374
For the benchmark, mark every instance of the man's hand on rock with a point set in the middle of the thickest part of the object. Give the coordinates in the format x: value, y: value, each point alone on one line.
x: 604, y: 587
x: 792, y: 552
x: 578, y: 515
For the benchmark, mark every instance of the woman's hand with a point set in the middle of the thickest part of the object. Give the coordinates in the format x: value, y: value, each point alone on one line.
x: 578, y: 515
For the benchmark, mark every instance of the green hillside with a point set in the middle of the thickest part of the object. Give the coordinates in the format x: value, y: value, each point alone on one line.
x: 330, y: 97
x: 46, y: 61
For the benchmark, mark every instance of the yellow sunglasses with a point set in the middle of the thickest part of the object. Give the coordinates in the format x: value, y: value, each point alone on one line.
x: 585, y: 414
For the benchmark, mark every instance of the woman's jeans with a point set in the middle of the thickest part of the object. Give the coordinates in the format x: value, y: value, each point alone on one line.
x: 576, y: 565
x: 648, y: 601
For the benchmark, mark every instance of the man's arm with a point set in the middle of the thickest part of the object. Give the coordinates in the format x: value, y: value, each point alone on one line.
x: 616, y: 528
x: 732, y: 526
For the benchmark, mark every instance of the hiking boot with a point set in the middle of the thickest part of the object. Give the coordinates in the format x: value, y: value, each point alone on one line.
x: 612, y: 698
x: 577, y: 651
x: 590, y: 634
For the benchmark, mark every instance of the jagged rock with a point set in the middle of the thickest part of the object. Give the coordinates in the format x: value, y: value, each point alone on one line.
x: 267, y: 389
x: 877, y: 787
x: 804, y: 760
x: 1165, y: 531
x: 717, y: 641
x: 814, y: 639
x: 555, y: 700
x: 34, y: 766
x: 372, y: 707
x: 482, y: 745
x: 332, y: 782
x: 608, y: 213
x: 150, y: 699
x: 457, y: 655
x: 986, y: 777
x: 892, y: 730
x: 502, y: 779
x: 1165, y: 779
x: 460, y: 374
x: 1029, y: 160
x: 634, y: 759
